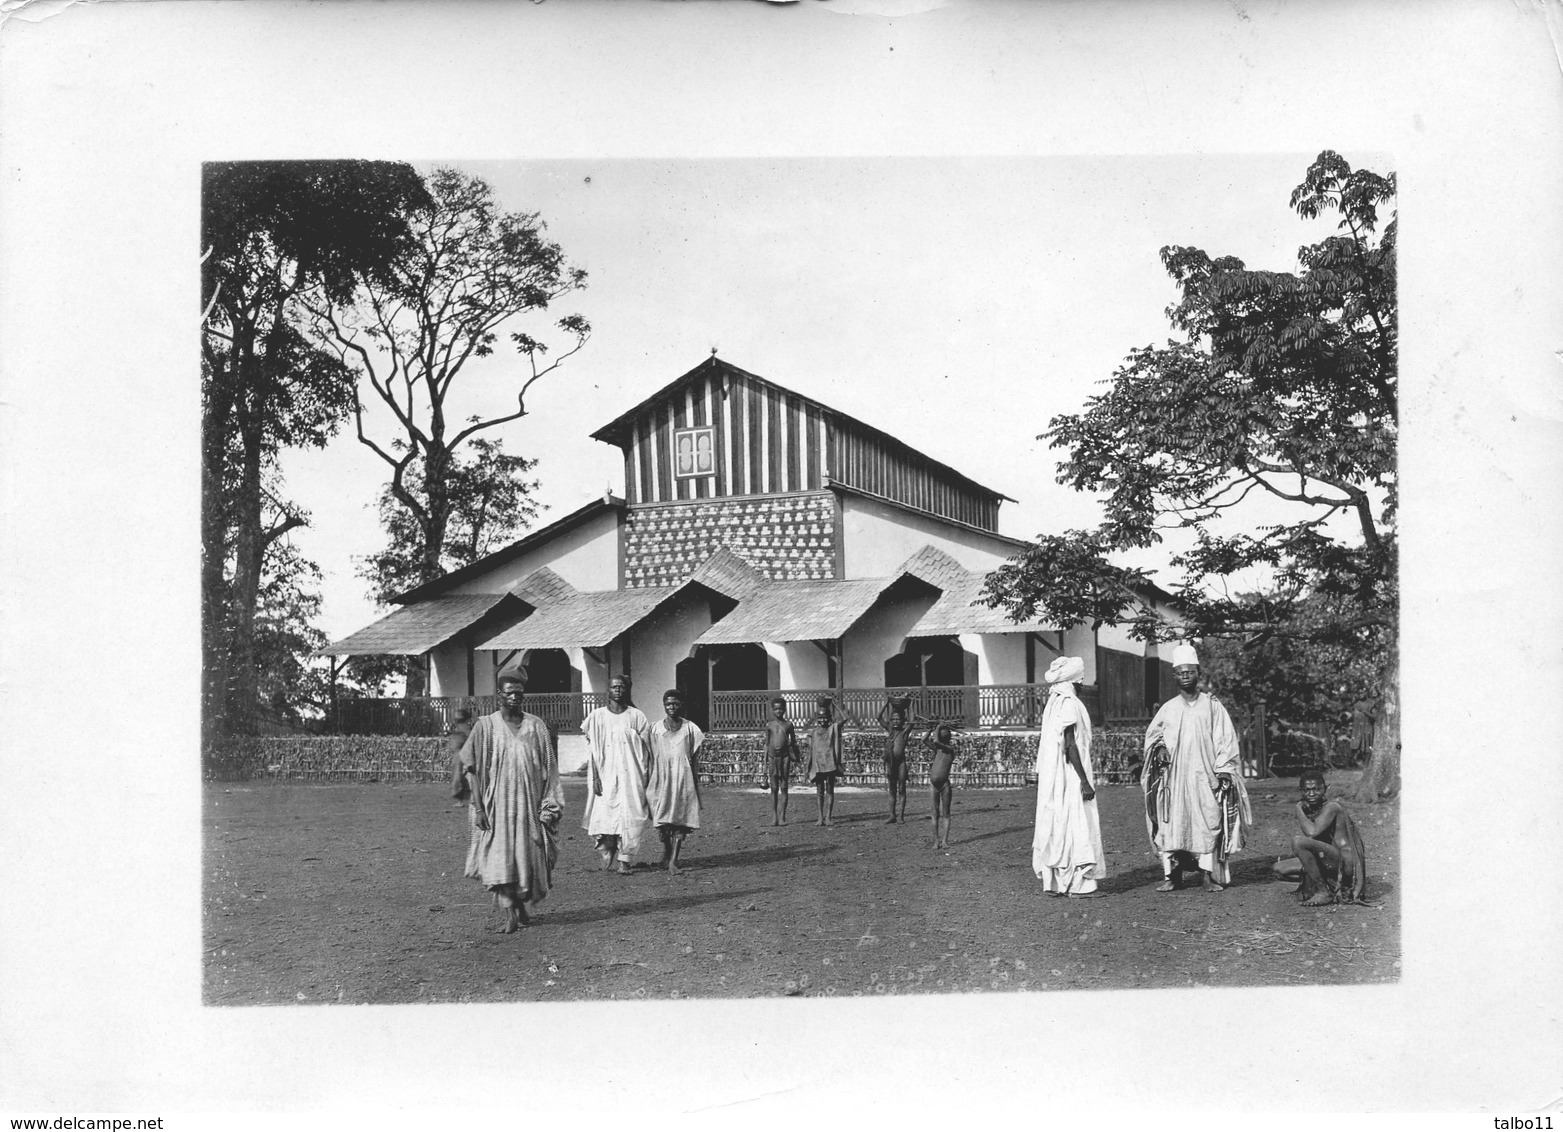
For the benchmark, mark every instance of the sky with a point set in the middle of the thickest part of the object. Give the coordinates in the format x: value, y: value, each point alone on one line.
x: 957, y: 303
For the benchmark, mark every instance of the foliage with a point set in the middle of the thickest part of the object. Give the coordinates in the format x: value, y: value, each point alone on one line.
x: 270, y: 231
x: 470, y: 271
x: 292, y: 688
x: 1314, y: 682
x: 491, y: 503
x: 1282, y: 386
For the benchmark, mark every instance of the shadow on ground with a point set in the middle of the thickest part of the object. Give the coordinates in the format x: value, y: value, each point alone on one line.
x: 646, y: 907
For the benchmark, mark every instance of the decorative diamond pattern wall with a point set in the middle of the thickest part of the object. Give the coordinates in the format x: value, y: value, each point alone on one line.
x: 782, y: 536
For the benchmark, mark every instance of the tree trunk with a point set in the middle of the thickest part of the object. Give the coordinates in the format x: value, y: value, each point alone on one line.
x: 1380, y: 779
x: 249, y: 551
x: 438, y: 502
x: 214, y: 532
x: 216, y: 425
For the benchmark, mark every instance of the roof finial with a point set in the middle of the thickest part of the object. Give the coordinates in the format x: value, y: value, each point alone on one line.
x: 713, y: 351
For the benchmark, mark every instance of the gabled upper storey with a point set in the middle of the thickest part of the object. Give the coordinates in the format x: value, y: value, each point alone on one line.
x: 720, y: 431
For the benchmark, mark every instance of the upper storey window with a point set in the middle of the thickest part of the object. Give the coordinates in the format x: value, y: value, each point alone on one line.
x: 694, y: 452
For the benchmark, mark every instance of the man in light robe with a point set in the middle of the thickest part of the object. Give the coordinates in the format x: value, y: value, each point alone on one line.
x: 516, y: 802
x: 618, y: 741
x: 1196, y: 806
x: 1066, y: 849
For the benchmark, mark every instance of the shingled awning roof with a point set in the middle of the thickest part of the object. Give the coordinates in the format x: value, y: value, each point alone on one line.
x: 415, y: 629
x: 957, y: 611
x: 543, y: 587
x: 729, y: 574
x: 796, y: 611
x: 582, y: 620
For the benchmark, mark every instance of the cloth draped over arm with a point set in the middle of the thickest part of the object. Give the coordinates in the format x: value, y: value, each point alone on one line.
x: 1184, y: 808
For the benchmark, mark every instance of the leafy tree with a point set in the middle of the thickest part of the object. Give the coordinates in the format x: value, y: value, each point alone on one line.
x: 1319, y: 683
x: 270, y: 231
x: 1282, y: 386
x: 292, y: 690
x: 492, y: 502
x: 469, y: 272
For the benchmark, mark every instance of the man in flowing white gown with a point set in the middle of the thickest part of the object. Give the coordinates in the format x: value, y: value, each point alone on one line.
x: 618, y: 740
x: 1066, y: 850
x: 516, y: 802
x: 1196, y: 806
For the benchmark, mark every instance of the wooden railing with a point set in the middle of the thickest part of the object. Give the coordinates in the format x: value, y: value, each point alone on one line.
x: 987, y: 707
x: 434, y: 715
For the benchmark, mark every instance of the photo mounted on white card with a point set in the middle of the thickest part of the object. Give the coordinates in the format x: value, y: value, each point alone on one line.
x: 918, y: 479
x: 879, y: 262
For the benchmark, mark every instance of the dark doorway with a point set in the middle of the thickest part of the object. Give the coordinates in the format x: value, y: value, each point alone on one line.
x: 928, y: 662
x: 548, y: 670
x: 693, y: 678
x: 937, y: 662
x: 740, y: 668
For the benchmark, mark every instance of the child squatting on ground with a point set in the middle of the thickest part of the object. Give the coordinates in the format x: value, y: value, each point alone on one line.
x: 1330, y: 861
x: 781, y: 750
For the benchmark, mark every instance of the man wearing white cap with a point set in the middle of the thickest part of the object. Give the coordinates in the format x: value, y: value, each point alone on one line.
x: 1196, y: 807
x: 1066, y: 850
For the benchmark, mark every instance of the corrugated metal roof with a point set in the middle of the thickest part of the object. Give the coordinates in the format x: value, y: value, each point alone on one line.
x: 415, y: 629
x: 796, y: 611
x: 582, y: 620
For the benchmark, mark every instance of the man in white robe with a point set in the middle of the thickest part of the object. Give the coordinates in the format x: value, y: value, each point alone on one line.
x: 1196, y: 806
x: 1066, y: 850
x: 516, y: 802
x: 618, y: 738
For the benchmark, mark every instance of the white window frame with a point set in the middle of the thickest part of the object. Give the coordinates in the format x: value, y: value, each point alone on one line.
x: 694, y: 432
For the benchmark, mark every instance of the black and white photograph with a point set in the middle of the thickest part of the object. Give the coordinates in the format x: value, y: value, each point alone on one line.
x: 785, y: 708
x: 710, y: 561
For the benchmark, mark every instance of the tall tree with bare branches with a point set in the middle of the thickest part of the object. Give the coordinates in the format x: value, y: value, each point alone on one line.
x: 470, y: 273
x: 1283, y: 387
x: 272, y: 231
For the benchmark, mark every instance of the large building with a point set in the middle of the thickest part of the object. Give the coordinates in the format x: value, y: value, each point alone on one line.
x: 765, y: 542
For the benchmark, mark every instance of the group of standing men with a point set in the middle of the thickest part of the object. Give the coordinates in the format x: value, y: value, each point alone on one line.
x: 640, y: 776
x: 643, y: 776
x: 1196, y: 806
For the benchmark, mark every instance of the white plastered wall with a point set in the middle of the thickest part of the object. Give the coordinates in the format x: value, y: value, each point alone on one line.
x: 660, y: 642
x: 1079, y: 641
x: 879, y: 635
x: 799, y: 664
x: 878, y: 538
x: 448, y: 672
x: 586, y: 556
x: 1001, y: 657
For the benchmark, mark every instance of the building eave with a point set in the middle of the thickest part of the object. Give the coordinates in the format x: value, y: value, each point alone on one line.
x: 848, y: 489
x: 446, y: 582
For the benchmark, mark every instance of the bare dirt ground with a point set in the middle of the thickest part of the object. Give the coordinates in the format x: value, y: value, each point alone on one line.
x: 354, y: 893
